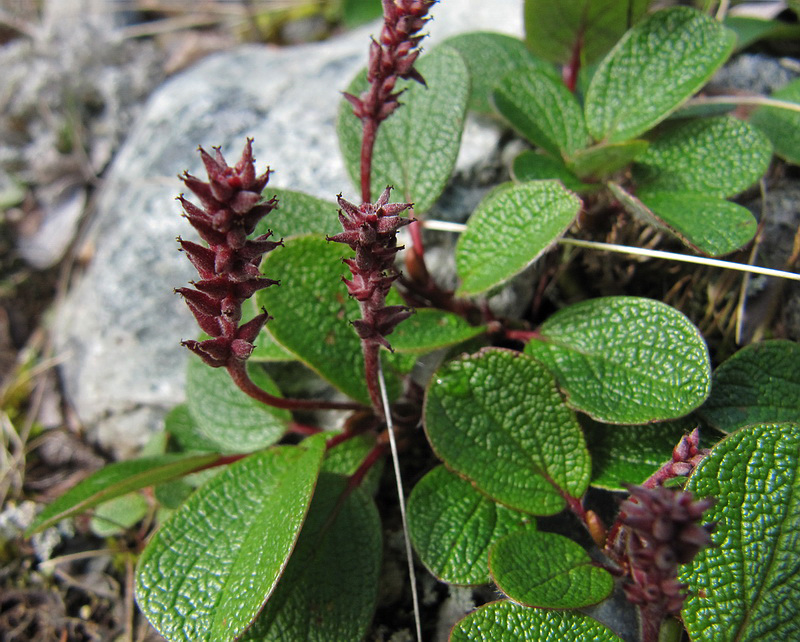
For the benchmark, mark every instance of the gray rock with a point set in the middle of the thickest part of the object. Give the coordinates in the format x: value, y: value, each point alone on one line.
x: 119, y: 328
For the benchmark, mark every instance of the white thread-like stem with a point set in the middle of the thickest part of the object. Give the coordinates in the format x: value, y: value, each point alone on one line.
x: 761, y: 101
x: 401, y: 497
x: 446, y: 226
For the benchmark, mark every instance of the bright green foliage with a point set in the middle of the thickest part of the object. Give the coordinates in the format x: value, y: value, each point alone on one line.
x: 554, y: 29
x: 208, y: 571
x: 226, y: 417
x: 625, y: 359
x: 489, y: 57
x: 782, y: 126
x: 182, y: 427
x: 312, y: 309
x: 714, y: 156
x: 346, y: 457
x: 114, y: 517
x: 654, y: 68
x: 435, y: 115
x: 453, y: 526
x: 116, y: 480
x: 542, y: 110
x: 298, y: 213
x: 746, y: 587
x: 357, y: 12
x: 534, y: 166
x: 708, y: 224
x: 760, y: 383
x: 548, y: 570
x: 630, y: 454
x: 511, y: 622
x: 429, y: 329
x: 329, y: 589
x: 509, y: 230
x: 604, y: 159
x: 497, y: 418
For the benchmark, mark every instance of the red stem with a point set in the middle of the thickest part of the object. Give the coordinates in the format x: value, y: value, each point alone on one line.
x: 303, y: 429
x: 522, y: 335
x: 372, y: 373
x: 570, y: 71
x: 240, y: 377
x: 370, y: 130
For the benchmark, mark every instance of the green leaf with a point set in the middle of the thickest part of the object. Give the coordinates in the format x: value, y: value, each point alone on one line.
x: 228, y: 418
x: 181, y: 425
x: 548, y: 570
x: 782, y: 126
x: 417, y: 146
x: 553, y: 30
x: 542, y: 110
x: 630, y: 454
x: 707, y: 224
x: 312, y: 311
x: 346, y: 457
x: 714, y: 156
x: 604, y: 159
x: 509, y: 230
x: 497, y: 418
x: 357, y: 12
x: 329, y: 590
x: 655, y: 67
x: 208, y: 571
x: 489, y: 57
x: 511, y: 622
x: 430, y: 329
x: 625, y: 360
x: 760, y: 383
x: 453, y: 526
x: 116, y: 480
x: 116, y: 516
x: 746, y: 587
x: 534, y: 166
x: 749, y: 30
x: 298, y: 213
x: 268, y: 349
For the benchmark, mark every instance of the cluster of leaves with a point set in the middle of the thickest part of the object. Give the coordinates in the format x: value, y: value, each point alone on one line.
x: 269, y: 542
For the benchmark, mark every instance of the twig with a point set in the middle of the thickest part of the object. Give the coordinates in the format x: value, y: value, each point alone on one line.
x: 401, y: 497
x: 761, y: 101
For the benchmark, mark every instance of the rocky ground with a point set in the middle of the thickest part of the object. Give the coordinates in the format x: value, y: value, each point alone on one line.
x: 102, y: 105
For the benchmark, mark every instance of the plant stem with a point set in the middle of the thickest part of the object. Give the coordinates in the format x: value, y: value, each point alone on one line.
x: 370, y: 129
x: 238, y: 373
x: 372, y: 366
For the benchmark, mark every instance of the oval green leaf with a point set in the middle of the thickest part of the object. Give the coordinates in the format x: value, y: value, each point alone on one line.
x: 535, y: 166
x: 548, y: 571
x: 430, y: 329
x: 707, y: 224
x: 715, y: 156
x: 602, y: 160
x: 207, y: 572
x: 746, y: 587
x: 114, y: 517
x: 453, y: 526
x: 116, y: 480
x: 299, y: 213
x: 542, y: 110
x: 225, y: 416
x: 509, y: 230
x: 497, y: 418
x: 489, y: 57
x: 760, y: 383
x: 782, y: 126
x: 417, y: 146
x: 312, y: 311
x: 625, y: 360
x: 630, y: 454
x: 555, y: 31
x: 512, y: 622
x: 654, y: 68
x: 330, y: 587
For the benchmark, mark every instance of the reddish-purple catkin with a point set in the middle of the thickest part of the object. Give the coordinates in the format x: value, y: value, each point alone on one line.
x: 390, y: 58
x: 663, y: 531
x: 371, y: 232
x: 228, y: 267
